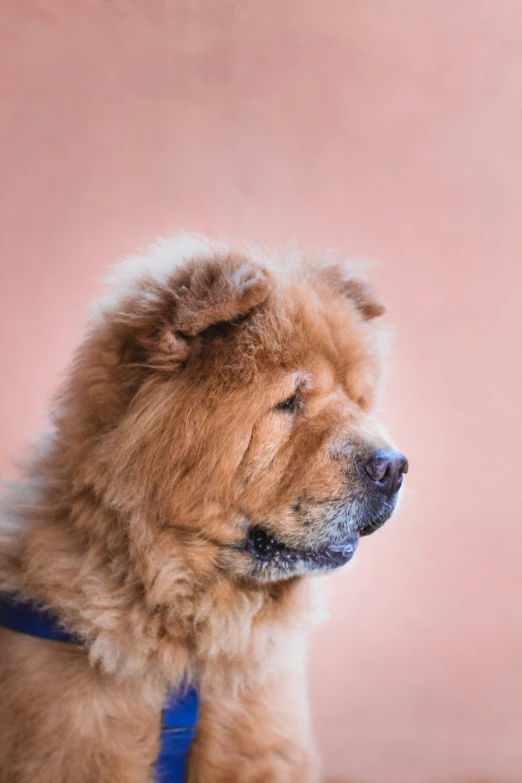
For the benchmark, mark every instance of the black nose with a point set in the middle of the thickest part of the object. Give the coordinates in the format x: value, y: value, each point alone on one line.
x: 385, y: 469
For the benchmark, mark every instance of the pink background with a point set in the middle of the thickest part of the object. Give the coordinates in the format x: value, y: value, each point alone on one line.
x: 393, y: 128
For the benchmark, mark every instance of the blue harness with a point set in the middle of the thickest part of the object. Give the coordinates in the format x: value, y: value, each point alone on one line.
x: 180, y: 712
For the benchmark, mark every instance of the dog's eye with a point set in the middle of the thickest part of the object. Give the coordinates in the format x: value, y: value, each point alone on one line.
x: 290, y: 405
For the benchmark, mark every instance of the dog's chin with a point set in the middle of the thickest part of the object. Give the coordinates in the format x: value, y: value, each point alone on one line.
x: 272, y: 559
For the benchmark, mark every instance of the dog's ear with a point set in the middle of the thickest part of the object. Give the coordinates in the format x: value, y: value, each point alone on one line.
x: 166, y: 316
x: 357, y: 289
x: 219, y: 290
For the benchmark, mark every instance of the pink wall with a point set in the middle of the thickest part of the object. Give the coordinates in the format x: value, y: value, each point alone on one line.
x: 394, y: 129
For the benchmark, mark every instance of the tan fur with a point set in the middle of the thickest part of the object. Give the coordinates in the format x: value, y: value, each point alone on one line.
x: 128, y: 520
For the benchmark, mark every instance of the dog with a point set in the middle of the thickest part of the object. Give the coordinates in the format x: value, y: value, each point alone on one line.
x: 211, y: 450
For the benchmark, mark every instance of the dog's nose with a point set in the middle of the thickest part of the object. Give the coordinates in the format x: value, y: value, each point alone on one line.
x: 385, y: 469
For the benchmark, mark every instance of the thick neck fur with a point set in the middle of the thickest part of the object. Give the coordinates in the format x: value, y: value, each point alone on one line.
x: 135, y: 597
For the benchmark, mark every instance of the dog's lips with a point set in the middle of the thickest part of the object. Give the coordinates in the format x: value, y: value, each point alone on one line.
x: 265, y: 548
x: 347, y: 548
x: 342, y: 553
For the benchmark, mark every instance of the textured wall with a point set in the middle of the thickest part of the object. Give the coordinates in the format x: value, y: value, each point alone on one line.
x: 392, y: 127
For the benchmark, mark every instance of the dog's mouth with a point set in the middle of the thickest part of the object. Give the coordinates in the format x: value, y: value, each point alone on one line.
x: 267, y: 549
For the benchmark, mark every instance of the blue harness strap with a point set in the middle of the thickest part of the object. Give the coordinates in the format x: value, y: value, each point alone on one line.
x: 180, y: 712
x: 180, y: 717
x: 26, y: 618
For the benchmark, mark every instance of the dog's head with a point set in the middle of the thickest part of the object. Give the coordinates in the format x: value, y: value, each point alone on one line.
x: 228, y: 398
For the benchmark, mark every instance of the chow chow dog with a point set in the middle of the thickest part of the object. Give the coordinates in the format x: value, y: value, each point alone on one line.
x: 212, y: 451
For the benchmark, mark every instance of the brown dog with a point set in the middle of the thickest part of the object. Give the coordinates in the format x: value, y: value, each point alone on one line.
x: 212, y: 446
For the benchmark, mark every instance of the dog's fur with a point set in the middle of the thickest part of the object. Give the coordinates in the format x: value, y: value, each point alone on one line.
x: 169, y: 442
